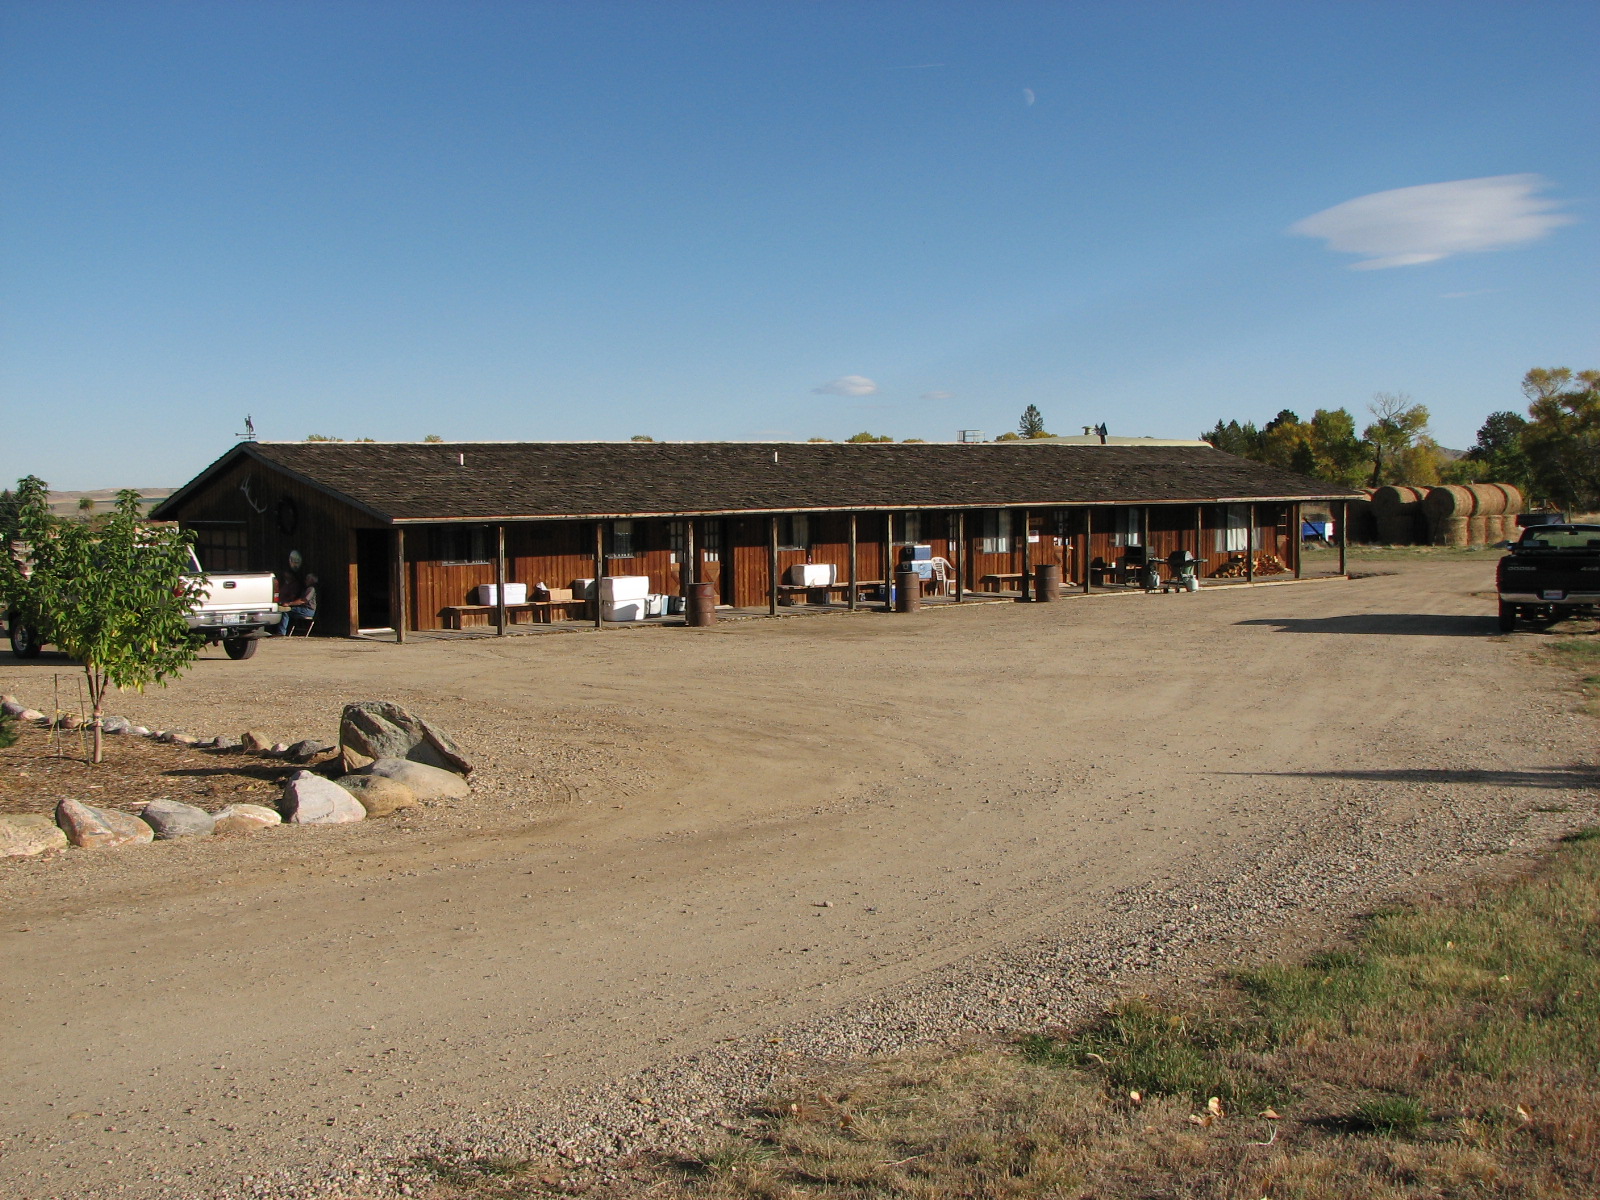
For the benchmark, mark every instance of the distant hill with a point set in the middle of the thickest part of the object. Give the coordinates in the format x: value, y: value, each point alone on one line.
x: 69, y: 504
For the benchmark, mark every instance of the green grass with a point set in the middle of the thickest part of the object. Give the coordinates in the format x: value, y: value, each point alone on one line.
x: 1364, y: 553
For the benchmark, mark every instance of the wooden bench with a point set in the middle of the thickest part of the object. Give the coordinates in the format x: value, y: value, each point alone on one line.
x: 542, y: 611
x: 999, y: 577
x: 788, y: 591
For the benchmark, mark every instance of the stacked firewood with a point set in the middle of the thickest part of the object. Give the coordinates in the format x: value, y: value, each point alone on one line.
x: 1237, y: 568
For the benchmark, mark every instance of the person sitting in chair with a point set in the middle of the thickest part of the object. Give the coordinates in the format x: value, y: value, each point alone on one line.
x: 304, y: 606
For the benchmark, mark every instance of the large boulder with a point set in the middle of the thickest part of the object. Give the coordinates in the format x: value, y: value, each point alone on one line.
x: 245, y: 818
x: 29, y: 833
x: 12, y: 707
x: 175, y: 819
x: 312, y: 800
x: 427, y: 783
x: 378, y: 794
x: 100, y: 828
x: 374, y: 729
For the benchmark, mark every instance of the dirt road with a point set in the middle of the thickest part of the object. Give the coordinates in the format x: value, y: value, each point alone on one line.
x: 694, y: 853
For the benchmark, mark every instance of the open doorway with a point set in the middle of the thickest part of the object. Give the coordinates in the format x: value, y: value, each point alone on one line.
x: 374, y: 562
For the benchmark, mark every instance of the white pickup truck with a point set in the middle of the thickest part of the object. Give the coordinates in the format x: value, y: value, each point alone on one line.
x: 234, y: 609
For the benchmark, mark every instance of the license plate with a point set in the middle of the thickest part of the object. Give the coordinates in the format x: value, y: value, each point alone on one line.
x: 1552, y: 595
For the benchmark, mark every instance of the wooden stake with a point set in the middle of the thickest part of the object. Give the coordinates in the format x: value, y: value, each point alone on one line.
x: 1250, y: 545
x: 599, y: 570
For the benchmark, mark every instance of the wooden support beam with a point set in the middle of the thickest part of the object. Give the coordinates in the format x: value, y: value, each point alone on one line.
x: 401, y: 604
x: 1344, y: 536
x: 499, y: 581
x: 599, y: 570
x: 1250, y: 545
x: 1027, y: 555
x: 689, y: 571
x: 1199, y: 542
x: 1297, y: 534
x: 1088, y: 546
x: 888, y: 561
x: 353, y: 586
x: 1144, y: 529
x: 772, y: 566
x: 854, y: 570
x: 961, y: 557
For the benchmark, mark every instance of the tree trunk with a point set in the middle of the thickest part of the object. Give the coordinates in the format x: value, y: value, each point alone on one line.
x: 97, y: 695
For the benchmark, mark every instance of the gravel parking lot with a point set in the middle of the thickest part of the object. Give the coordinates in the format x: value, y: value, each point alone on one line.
x: 696, y: 860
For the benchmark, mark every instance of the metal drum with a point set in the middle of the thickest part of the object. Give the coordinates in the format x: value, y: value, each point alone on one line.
x: 907, y: 591
x: 701, y: 608
x: 1046, y: 582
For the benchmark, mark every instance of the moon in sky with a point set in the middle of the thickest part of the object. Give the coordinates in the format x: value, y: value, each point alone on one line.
x: 1028, y: 97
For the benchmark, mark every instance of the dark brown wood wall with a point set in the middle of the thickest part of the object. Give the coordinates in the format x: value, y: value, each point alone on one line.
x: 278, y: 515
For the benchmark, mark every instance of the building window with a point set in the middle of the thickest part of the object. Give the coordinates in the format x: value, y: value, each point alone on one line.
x: 910, y: 529
x: 1233, y: 521
x: 462, y: 545
x: 624, y: 543
x: 222, y: 547
x: 1127, y: 526
x: 794, y: 532
x: 678, y: 539
x: 710, y: 539
x: 994, y: 532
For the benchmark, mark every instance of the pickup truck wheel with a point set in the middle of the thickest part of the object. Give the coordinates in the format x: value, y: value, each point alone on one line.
x: 25, y: 641
x: 239, y: 648
x: 1508, y: 617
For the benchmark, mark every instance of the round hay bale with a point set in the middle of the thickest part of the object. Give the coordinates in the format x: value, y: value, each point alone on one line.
x: 1489, y: 499
x: 1515, y: 502
x: 1449, y: 510
x: 1398, y: 512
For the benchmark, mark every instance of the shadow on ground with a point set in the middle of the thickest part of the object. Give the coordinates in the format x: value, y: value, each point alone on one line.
x: 1421, y: 624
x: 1579, y: 775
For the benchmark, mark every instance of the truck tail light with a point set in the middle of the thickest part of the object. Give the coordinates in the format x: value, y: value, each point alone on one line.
x: 275, y: 589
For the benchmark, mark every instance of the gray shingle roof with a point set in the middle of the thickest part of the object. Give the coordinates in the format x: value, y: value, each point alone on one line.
x: 418, y: 481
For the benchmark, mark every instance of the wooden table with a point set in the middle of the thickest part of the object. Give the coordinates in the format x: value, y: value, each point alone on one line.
x: 1000, y: 577
x: 542, y: 611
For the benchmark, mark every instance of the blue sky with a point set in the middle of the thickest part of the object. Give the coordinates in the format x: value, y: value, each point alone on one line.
x: 776, y: 220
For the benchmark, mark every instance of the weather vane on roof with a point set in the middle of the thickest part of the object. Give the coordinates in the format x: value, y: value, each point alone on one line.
x: 249, y: 434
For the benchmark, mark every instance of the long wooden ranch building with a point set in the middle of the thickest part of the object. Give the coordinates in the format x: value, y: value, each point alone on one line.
x: 401, y: 535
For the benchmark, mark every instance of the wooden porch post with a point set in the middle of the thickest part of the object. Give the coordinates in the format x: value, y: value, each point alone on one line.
x: 401, y: 604
x: 599, y: 570
x: 772, y: 566
x: 853, y: 573
x: 500, y: 581
x: 961, y: 556
x: 888, y: 561
x: 1298, y: 534
x: 1027, y: 555
x: 1344, y: 535
x: 1199, y: 542
x: 353, y: 586
x: 1250, y: 545
x: 689, y: 572
x: 1088, y: 545
x: 1144, y: 529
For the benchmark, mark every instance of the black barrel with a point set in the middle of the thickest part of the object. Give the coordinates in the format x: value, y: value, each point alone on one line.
x: 907, y: 591
x: 701, y: 605
x: 1046, y: 582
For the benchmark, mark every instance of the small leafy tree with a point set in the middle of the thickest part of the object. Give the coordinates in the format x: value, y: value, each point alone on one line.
x: 1032, y: 423
x: 115, y: 597
x: 1499, y: 449
x: 864, y: 436
x: 85, y: 503
x: 1393, y: 435
x: 432, y: 437
x: 28, y: 522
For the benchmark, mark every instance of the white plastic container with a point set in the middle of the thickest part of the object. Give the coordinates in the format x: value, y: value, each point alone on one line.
x: 655, y: 604
x: 624, y: 587
x: 583, y: 589
x: 516, y: 593
x: 813, y: 574
x: 622, y: 610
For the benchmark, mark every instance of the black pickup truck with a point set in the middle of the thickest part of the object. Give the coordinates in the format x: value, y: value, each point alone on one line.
x: 1552, y: 572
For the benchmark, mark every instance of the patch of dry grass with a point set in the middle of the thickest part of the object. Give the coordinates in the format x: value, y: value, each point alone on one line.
x: 1452, y: 1051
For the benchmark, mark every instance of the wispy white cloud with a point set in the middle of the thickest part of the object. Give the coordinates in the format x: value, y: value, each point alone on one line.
x: 1028, y: 97
x: 937, y: 395
x: 847, y: 385
x: 1409, y: 226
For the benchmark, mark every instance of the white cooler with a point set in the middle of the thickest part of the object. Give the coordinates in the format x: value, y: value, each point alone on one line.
x: 624, y: 587
x: 623, y: 610
x: 813, y: 574
x: 516, y: 593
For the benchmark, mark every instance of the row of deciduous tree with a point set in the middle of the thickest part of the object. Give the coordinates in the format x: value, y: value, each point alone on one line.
x: 1552, y: 454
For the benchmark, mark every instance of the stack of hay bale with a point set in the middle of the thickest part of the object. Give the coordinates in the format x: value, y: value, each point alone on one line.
x: 1477, y: 514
